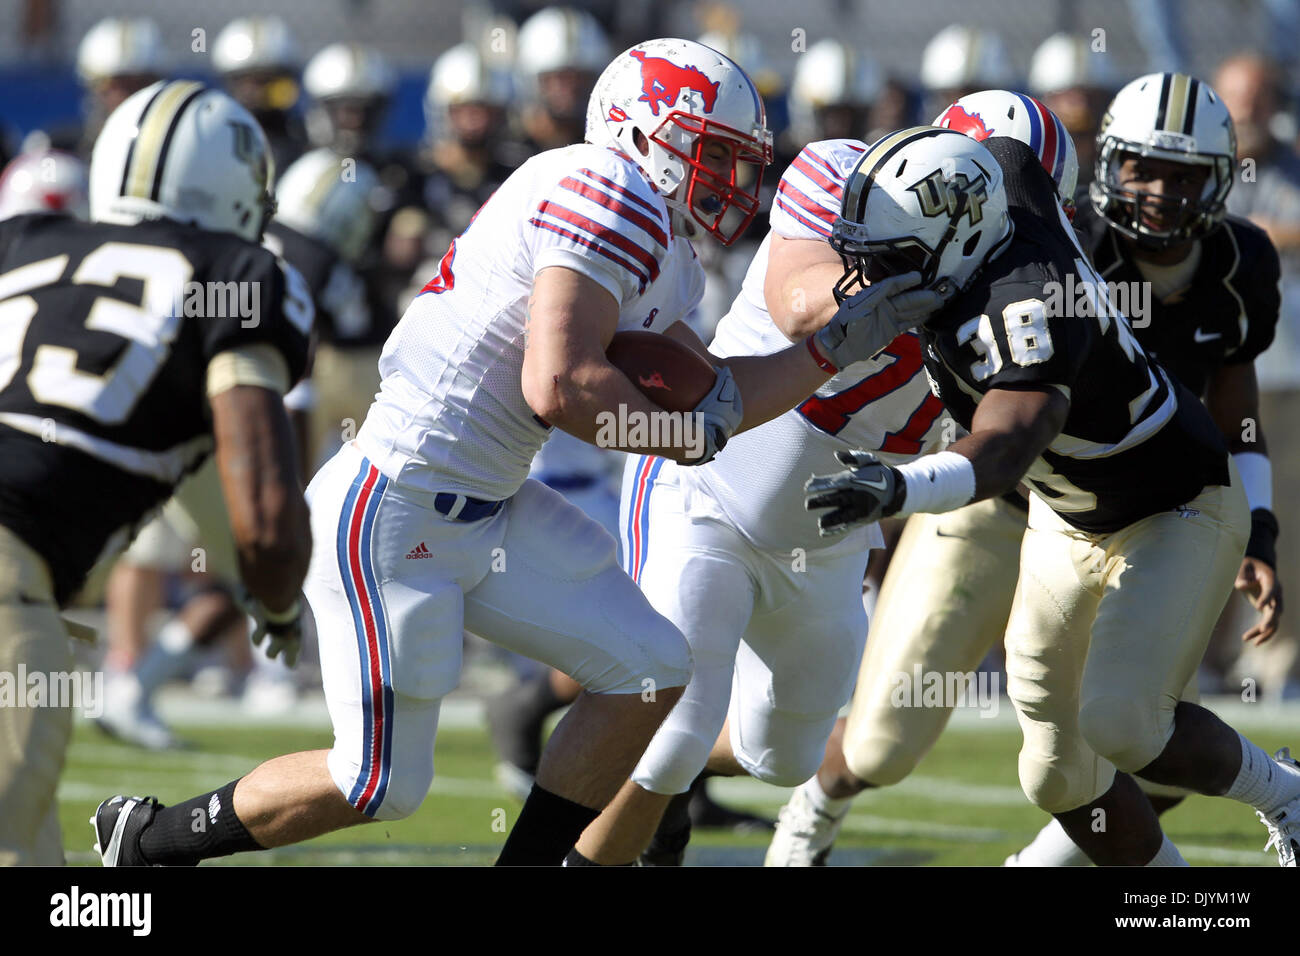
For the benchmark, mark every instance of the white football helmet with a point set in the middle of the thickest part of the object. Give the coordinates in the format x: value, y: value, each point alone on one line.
x: 48, y: 181
x: 119, y: 47
x: 461, y: 76
x: 832, y: 74
x: 182, y: 151
x: 682, y: 97
x: 327, y: 198
x: 959, y: 57
x: 1004, y: 113
x: 255, y: 43
x: 1064, y: 61
x: 338, y: 77
x: 924, y: 200
x: 1169, y: 116
x: 561, y: 38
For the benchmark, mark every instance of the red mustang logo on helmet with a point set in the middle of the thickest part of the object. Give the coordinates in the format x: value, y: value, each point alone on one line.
x: 656, y: 380
x: 972, y: 124
x: 662, y: 81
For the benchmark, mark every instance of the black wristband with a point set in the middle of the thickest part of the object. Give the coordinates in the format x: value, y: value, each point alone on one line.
x: 1263, y: 537
x: 895, y: 504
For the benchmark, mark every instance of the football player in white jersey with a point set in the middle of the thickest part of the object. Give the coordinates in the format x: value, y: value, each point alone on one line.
x: 772, y: 611
x: 427, y: 521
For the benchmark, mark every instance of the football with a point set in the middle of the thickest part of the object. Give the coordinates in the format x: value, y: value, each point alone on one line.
x: 672, y: 375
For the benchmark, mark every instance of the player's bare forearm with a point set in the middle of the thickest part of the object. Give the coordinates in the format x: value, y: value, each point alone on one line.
x: 588, y: 399
x: 799, y: 283
x: 1010, y: 429
x: 567, y: 379
x: 1232, y: 399
x: 771, y: 385
x: 255, y: 455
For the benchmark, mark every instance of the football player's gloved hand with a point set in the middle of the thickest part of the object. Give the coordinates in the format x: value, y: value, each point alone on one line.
x: 869, y: 320
x: 868, y: 491
x: 284, y: 629
x: 719, y: 413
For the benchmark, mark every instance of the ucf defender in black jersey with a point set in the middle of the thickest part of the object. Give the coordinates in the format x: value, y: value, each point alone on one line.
x: 118, y: 375
x: 1138, y: 522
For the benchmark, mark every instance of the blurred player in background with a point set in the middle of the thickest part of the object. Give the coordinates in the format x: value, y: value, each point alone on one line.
x: 258, y: 62
x: 1074, y: 82
x: 559, y: 53
x: 179, y: 193
x: 117, y: 57
x: 959, y: 60
x: 1267, y: 192
x: 465, y: 114
x: 47, y: 180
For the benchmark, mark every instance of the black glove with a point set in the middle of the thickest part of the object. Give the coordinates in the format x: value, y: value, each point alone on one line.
x: 868, y: 491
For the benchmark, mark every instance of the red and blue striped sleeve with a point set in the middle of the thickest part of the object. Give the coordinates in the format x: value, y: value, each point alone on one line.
x: 605, y: 224
x: 808, y: 196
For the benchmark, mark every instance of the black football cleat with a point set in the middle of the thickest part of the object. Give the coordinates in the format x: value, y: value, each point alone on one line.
x: 118, y: 823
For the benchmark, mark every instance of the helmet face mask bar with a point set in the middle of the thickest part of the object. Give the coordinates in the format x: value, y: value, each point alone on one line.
x: 1123, y: 206
x: 724, y: 206
x: 866, y: 262
x: 1172, y: 118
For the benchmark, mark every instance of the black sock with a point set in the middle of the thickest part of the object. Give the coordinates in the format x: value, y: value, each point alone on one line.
x: 547, y: 828
x: 198, y: 829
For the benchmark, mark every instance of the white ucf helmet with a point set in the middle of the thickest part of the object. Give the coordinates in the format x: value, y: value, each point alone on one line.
x: 683, y: 98
x: 461, y: 76
x: 1170, y: 116
x: 1004, y: 113
x: 833, y: 74
x: 119, y: 47
x: 254, y: 43
x: 48, y: 181
x: 924, y: 200
x: 182, y: 151
x: 327, y: 197
x: 961, y: 57
x: 560, y: 38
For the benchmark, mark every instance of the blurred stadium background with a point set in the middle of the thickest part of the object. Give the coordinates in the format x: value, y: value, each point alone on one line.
x: 964, y: 805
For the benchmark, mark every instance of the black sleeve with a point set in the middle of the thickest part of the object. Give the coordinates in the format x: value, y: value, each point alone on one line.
x: 281, y: 312
x: 1261, y: 295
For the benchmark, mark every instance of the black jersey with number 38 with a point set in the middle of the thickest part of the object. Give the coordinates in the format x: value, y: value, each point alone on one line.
x: 1135, y: 441
x: 106, y: 332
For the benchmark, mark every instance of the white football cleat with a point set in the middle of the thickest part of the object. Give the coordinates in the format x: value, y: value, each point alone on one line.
x: 1283, y: 824
x: 804, y: 835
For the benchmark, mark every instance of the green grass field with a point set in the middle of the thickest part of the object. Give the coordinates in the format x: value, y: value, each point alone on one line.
x: 962, y: 807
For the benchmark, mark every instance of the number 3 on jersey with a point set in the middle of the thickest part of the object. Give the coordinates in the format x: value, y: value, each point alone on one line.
x: 1028, y: 338
x: 831, y: 413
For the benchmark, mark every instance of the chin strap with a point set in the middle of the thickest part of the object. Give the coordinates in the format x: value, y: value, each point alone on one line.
x: 682, y: 222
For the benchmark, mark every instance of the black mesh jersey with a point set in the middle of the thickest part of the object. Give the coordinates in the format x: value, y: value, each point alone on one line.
x: 106, y: 332
x: 1226, y: 316
x: 1135, y: 441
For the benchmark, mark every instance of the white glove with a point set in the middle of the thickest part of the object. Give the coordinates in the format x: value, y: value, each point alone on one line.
x: 869, y: 320
x: 719, y: 413
x: 283, y: 628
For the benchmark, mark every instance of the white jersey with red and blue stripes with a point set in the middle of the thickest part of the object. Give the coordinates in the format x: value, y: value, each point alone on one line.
x: 883, y: 405
x: 450, y: 414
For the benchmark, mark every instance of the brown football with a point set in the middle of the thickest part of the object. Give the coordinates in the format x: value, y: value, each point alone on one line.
x: 672, y: 375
